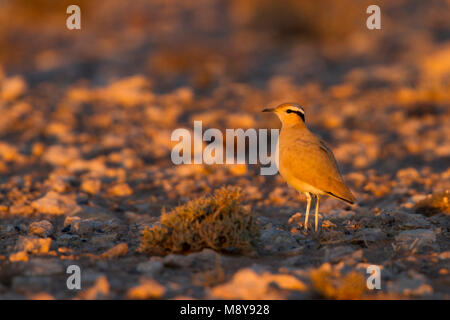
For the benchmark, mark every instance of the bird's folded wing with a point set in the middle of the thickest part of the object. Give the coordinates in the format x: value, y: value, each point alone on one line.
x: 314, y: 163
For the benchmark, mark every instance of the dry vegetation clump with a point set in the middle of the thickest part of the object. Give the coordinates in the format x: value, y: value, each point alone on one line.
x: 218, y: 222
x: 332, y: 285
x: 434, y: 204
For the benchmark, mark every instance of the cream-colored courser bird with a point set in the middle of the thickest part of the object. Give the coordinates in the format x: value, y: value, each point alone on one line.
x: 304, y: 160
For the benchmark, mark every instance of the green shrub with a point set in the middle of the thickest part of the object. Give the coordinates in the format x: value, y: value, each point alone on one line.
x: 218, y: 222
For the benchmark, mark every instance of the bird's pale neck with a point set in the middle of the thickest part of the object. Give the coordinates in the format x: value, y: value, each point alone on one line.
x: 290, y: 122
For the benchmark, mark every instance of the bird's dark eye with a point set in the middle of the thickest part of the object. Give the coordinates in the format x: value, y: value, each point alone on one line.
x: 289, y: 111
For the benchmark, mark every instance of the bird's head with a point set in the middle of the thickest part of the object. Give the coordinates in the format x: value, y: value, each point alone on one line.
x: 289, y: 113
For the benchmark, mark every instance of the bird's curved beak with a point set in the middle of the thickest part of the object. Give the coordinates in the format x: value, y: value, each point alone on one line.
x: 269, y: 110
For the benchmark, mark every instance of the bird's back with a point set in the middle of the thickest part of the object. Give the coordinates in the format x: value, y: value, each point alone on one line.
x: 304, y: 159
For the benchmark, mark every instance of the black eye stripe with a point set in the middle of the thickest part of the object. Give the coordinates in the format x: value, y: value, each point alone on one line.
x: 299, y: 113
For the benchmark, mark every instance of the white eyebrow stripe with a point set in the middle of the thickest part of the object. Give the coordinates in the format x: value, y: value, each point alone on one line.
x: 301, y: 110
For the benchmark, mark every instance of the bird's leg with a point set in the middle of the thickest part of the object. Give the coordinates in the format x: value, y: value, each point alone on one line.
x: 317, y: 212
x: 308, y: 205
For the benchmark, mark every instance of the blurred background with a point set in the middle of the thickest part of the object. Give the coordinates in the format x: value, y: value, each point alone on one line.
x: 86, y: 115
x: 135, y: 71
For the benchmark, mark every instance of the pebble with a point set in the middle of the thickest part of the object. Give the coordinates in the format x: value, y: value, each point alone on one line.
x: 250, y: 284
x: 117, y: 251
x: 120, y: 190
x: 86, y: 226
x: 34, y: 245
x: 148, y: 289
x: 55, y: 203
x: 152, y: 267
x: 41, y: 228
x: 275, y: 240
x: 423, y: 235
x: 69, y: 240
x: 412, y: 284
x: 44, y: 267
x: 91, y: 186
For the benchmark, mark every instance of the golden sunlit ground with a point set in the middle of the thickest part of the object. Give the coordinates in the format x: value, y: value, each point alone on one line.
x: 86, y: 178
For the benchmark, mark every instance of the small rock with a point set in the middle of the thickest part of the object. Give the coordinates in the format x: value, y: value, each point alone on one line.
x: 44, y: 267
x: 25, y: 285
x: 341, y: 253
x: 18, y: 256
x: 11, y: 88
x: 103, y: 240
x: 176, y: 261
x: 249, y: 284
x: 41, y: 296
x: 148, y: 289
x: 276, y: 240
x: 100, y: 290
x: 413, y: 285
x: 445, y: 255
x: 425, y: 236
x: 70, y: 220
x: 117, y: 251
x: 151, y: 268
x: 34, y: 245
x: 91, y: 186
x: 86, y: 226
x: 68, y: 240
x: 371, y: 235
x: 121, y: 190
x: 60, y: 156
x: 296, y: 218
x: 7, y: 230
x: 41, y: 228
x: 21, y: 209
x: 54, y: 203
x: 206, y: 257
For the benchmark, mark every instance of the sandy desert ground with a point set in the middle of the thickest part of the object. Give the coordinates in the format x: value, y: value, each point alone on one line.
x: 86, y: 118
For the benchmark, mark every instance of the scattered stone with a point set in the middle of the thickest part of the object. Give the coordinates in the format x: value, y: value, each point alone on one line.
x: 91, y: 186
x: 34, y: 245
x: 68, y: 221
x: 41, y: 296
x: 54, y: 203
x: 27, y: 285
x: 340, y: 253
x: 60, y: 156
x: 249, y: 284
x: 41, y: 228
x: 176, y: 261
x: 86, y: 226
x: 18, y: 256
x: 412, y: 284
x: 21, y: 209
x: 276, y: 240
x: 68, y: 240
x: 148, y: 289
x: 120, y: 190
x: 371, y: 235
x: 445, y: 255
x: 44, y: 267
x: 152, y: 268
x: 423, y: 236
x: 117, y: 251
x: 331, y: 283
x: 100, y: 290
x: 11, y: 88
x: 206, y: 257
x: 103, y: 240
x: 7, y: 230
